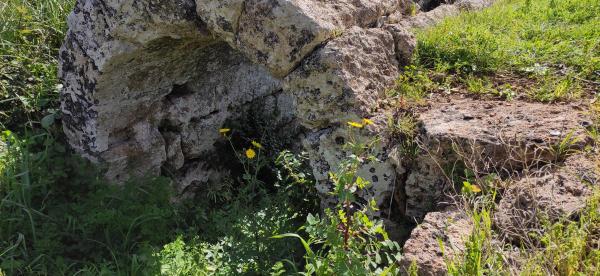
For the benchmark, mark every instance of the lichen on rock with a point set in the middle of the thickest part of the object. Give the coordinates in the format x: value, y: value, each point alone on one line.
x: 147, y: 85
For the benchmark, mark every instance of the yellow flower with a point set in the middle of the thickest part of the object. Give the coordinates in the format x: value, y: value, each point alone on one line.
x: 224, y: 131
x: 257, y: 145
x: 367, y: 121
x: 476, y: 189
x: 355, y: 124
x: 250, y: 153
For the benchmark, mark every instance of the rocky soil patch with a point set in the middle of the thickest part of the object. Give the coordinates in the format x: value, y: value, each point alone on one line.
x: 536, y: 149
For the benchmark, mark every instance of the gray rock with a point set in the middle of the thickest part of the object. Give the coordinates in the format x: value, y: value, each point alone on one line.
x: 342, y: 82
x: 148, y: 83
x: 147, y: 86
x: 551, y: 195
x: 490, y: 137
x: 450, y: 229
x: 405, y: 42
x: 279, y: 34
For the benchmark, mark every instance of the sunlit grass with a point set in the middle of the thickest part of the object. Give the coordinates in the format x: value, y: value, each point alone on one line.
x: 553, y: 46
x: 30, y: 34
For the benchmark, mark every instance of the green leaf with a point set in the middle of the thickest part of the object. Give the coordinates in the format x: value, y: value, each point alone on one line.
x: 362, y: 183
x: 311, y: 219
x: 293, y: 235
x: 48, y: 120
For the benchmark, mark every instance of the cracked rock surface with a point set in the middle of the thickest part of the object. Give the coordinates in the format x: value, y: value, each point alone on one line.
x: 492, y: 136
x: 449, y: 227
x: 148, y: 83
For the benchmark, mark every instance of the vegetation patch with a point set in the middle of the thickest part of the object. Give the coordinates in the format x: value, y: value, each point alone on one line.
x: 30, y: 34
x: 543, y: 50
x: 59, y: 216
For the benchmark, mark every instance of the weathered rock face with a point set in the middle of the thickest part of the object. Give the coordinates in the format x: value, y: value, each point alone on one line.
x: 491, y: 137
x: 109, y: 52
x: 548, y: 195
x: 146, y: 87
x: 342, y: 82
x: 147, y: 83
x: 278, y: 33
x: 450, y: 228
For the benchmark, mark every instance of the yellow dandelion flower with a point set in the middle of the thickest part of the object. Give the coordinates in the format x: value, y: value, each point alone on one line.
x: 257, y: 145
x: 355, y: 124
x: 250, y: 153
x: 367, y: 121
x: 224, y: 131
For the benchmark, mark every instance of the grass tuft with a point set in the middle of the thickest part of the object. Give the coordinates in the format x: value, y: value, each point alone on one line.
x: 544, y: 50
x: 31, y: 33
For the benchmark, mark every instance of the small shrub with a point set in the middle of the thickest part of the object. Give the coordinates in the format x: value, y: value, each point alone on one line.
x: 345, y: 241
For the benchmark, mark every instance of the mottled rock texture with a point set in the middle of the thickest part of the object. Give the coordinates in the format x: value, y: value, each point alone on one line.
x: 549, y: 195
x: 487, y: 136
x: 280, y: 33
x: 450, y: 228
x: 147, y: 86
x: 148, y: 83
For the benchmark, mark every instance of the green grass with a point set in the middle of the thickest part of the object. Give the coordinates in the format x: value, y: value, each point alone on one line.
x: 570, y: 247
x: 567, y: 247
x: 30, y: 34
x: 58, y: 216
x: 515, y: 35
x: 555, y: 45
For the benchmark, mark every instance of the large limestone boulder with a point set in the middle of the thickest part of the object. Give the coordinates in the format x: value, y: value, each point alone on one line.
x: 109, y: 50
x: 147, y: 86
x: 148, y: 83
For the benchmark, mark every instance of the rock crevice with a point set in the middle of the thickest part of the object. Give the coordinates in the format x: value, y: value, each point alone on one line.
x: 148, y: 83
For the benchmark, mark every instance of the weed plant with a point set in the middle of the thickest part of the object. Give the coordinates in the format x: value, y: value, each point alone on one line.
x: 345, y: 240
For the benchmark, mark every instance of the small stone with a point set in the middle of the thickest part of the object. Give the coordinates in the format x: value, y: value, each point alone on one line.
x: 555, y: 133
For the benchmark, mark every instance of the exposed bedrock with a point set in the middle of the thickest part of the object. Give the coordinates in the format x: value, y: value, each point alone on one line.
x: 489, y: 137
x: 147, y: 86
x: 148, y: 83
x: 535, y: 150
